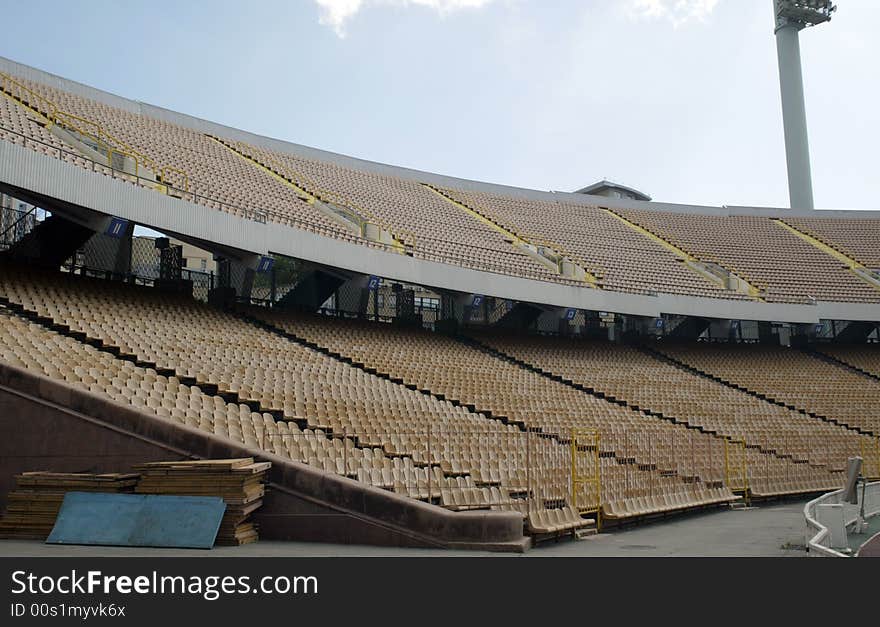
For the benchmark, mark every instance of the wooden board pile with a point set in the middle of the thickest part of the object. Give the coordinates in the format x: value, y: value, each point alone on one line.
x: 240, y: 482
x: 32, y: 507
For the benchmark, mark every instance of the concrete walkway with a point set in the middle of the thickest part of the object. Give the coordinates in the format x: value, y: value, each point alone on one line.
x: 773, y: 530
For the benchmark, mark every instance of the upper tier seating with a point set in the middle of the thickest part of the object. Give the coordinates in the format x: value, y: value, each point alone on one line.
x: 436, y: 228
x: 624, y: 260
x: 216, y: 177
x: 787, y: 268
x: 854, y: 237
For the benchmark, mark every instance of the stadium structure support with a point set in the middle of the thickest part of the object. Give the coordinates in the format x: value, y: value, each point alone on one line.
x: 792, y: 16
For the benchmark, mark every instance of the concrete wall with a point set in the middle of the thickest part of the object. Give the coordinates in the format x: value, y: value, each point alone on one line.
x: 48, y: 425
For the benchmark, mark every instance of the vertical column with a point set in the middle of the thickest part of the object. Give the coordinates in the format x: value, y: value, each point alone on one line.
x: 794, y: 117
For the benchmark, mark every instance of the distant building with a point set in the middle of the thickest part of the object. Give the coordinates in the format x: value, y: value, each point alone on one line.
x: 613, y: 190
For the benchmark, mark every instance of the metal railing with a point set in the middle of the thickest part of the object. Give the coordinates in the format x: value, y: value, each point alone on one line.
x: 104, y: 141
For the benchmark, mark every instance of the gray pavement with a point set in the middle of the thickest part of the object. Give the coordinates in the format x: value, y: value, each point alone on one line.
x: 772, y: 530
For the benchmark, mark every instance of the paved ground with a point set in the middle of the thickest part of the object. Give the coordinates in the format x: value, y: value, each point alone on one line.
x: 856, y: 540
x: 770, y: 530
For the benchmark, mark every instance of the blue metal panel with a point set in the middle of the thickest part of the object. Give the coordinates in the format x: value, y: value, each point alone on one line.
x: 138, y: 520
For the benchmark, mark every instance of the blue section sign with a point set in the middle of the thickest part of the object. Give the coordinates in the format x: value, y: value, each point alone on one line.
x: 374, y: 282
x: 478, y: 300
x: 658, y: 323
x: 117, y: 227
x: 265, y: 265
x: 570, y: 314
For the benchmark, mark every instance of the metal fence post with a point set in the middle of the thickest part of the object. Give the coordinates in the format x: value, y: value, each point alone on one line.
x: 430, y: 467
x: 528, y: 471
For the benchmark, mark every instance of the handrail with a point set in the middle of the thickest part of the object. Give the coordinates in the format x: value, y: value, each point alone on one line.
x: 50, y: 106
x: 362, y: 215
x: 110, y: 143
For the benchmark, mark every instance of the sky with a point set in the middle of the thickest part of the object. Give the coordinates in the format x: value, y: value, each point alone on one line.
x: 677, y: 98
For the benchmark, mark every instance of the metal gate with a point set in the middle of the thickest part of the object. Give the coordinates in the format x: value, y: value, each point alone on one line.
x: 736, y: 473
x: 586, y: 473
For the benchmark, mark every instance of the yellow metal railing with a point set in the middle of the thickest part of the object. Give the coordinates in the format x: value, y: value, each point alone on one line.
x: 312, y: 191
x: 105, y: 143
x: 586, y: 472
x: 736, y: 467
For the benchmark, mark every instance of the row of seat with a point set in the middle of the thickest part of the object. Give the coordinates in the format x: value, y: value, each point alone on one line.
x: 791, y: 376
x: 784, y: 267
x: 648, y: 382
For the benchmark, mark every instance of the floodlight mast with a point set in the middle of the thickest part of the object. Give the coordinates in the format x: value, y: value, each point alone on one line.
x: 792, y: 16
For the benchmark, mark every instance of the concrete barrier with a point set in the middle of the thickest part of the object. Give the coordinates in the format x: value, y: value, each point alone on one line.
x: 823, y: 539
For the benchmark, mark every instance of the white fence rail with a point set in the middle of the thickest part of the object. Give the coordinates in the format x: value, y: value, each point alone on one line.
x: 819, y: 537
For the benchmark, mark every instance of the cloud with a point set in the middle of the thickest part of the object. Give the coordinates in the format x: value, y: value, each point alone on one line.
x: 335, y: 13
x: 678, y: 12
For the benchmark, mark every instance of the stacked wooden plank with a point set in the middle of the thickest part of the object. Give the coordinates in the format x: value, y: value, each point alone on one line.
x: 240, y: 482
x: 33, y: 506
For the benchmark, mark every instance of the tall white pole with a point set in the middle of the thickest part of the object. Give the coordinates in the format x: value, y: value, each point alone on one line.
x: 794, y: 117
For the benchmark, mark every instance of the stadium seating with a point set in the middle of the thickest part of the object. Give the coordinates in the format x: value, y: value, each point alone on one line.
x: 863, y: 357
x: 786, y: 268
x: 792, y: 377
x: 648, y: 382
x: 214, y: 176
x: 854, y: 237
x: 436, y: 229
x: 233, y: 176
x: 623, y: 259
x: 338, y: 416
x: 301, y: 403
x: 457, y: 371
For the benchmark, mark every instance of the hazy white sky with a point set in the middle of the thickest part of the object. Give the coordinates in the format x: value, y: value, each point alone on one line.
x: 679, y: 98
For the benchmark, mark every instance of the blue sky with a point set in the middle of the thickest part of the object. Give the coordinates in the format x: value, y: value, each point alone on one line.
x: 679, y: 98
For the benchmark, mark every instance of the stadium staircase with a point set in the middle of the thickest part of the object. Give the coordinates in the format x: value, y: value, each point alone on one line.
x: 51, y: 242
x: 638, y: 464
x: 764, y: 397
x: 621, y: 402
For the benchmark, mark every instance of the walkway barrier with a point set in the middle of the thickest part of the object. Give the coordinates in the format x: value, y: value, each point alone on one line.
x: 819, y: 537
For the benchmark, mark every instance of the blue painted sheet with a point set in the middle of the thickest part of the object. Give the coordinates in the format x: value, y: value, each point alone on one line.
x: 138, y: 520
